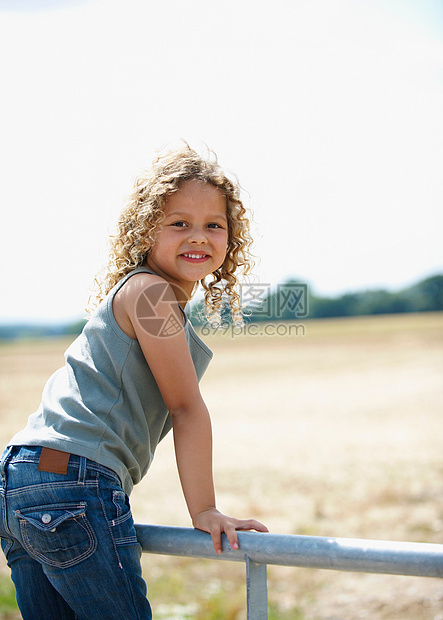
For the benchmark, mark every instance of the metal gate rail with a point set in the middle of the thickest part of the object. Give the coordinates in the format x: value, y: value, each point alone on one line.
x: 258, y: 550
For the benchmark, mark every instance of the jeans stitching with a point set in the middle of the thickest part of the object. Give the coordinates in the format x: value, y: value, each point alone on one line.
x: 41, y: 557
x: 116, y: 495
x: 126, y: 540
x: 92, y: 467
x: 107, y: 522
x: 121, y: 519
x: 46, y: 486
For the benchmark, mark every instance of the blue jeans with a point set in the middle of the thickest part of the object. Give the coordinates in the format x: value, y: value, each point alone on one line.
x: 69, y: 540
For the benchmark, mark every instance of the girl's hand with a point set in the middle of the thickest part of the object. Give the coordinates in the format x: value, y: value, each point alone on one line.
x: 215, y: 523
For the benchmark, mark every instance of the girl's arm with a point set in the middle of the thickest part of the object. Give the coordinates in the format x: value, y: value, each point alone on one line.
x: 193, y: 447
x: 171, y: 364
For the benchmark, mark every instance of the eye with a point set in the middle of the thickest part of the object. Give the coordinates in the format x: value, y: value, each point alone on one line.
x: 214, y: 225
x: 179, y: 224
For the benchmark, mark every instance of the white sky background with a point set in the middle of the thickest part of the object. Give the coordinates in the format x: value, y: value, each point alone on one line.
x: 329, y: 111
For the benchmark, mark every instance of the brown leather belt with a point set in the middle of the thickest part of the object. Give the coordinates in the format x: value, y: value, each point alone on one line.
x: 53, y: 461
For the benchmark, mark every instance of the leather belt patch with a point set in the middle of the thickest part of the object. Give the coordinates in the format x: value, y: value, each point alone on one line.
x: 53, y: 461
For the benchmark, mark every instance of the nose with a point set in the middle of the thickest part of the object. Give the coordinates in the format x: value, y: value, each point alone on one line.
x: 197, y: 235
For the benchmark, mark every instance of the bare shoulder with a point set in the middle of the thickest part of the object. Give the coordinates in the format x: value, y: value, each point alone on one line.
x: 125, y: 300
x: 143, y: 296
x: 140, y: 282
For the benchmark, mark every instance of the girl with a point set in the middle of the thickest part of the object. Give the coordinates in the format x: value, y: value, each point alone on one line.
x: 131, y: 376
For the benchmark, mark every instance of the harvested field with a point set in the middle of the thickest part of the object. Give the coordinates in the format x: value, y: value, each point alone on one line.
x: 337, y: 432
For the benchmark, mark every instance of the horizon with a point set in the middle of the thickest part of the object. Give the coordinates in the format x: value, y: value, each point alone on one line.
x: 65, y: 321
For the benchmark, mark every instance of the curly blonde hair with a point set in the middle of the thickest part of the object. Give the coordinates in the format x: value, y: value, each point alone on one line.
x: 142, y: 218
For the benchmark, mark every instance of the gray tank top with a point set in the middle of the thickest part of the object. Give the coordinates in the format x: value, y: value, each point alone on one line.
x: 104, y: 403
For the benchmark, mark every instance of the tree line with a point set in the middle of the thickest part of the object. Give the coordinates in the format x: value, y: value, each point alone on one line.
x: 289, y: 300
x: 294, y: 300
x: 425, y: 296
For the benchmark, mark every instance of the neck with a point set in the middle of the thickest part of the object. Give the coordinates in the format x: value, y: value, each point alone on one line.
x: 183, y: 291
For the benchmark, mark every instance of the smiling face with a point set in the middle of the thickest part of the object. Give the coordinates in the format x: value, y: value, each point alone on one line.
x: 192, y: 243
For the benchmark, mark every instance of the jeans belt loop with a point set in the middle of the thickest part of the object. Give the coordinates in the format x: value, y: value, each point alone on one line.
x: 82, y: 470
x: 4, y: 461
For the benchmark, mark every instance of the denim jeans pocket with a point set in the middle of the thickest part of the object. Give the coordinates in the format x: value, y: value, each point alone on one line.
x: 122, y: 523
x: 57, y: 534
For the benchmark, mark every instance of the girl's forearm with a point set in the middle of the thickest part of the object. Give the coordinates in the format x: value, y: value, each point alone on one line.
x: 193, y: 450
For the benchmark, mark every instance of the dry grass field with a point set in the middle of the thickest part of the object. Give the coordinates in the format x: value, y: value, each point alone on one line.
x: 334, y: 433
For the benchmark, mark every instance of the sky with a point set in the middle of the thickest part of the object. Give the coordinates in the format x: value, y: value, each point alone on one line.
x: 329, y: 113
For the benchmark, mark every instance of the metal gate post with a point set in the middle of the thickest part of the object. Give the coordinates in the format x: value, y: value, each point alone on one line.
x: 256, y: 590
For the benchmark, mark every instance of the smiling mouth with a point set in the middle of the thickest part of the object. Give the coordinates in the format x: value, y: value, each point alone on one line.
x: 193, y: 257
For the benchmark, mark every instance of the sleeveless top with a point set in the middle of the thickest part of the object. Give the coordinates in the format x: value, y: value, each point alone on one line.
x: 104, y: 404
